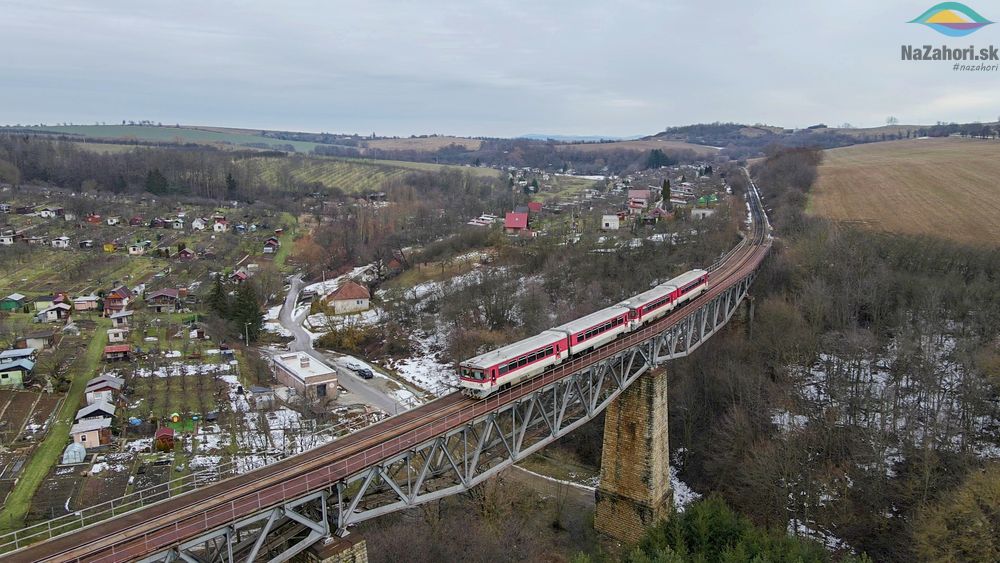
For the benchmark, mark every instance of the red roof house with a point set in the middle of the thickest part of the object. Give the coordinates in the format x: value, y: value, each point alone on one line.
x: 164, y: 439
x: 535, y: 206
x: 515, y: 222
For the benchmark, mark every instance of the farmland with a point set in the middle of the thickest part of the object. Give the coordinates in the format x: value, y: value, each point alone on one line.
x: 428, y: 144
x: 940, y: 187
x: 642, y: 145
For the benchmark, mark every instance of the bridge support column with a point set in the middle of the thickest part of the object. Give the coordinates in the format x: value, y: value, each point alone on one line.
x: 635, y: 473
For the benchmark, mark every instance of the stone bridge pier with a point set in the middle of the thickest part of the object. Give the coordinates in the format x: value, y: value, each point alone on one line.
x: 635, y: 472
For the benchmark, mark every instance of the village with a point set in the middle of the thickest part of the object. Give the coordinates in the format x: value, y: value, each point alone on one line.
x: 112, y: 374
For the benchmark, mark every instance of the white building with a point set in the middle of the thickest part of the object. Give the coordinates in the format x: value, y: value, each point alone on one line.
x: 60, y: 242
x: 609, y: 223
x: 306, y: 374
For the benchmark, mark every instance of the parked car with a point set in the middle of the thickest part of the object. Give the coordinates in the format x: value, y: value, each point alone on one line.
x: 365, y: 373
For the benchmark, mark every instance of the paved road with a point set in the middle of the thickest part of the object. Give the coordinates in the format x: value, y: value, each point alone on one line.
x: 303, y: 343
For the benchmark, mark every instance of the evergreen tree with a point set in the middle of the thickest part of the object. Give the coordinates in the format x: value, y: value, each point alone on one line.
x: 230, y: 186
x: 119, y: 185
x: 246, y: 311
x: 218, y: 299
x: 156, y: 182
x: 665, y: 191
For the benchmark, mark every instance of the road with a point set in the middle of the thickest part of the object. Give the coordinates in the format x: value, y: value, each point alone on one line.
x: 346, y: 378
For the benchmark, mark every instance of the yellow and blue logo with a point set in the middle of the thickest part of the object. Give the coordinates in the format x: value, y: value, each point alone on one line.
x: 953, y: 19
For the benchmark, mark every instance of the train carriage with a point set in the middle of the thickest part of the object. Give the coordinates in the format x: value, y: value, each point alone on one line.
x: 595, y: 329
x: 505, y: 366
x: 650, y: 305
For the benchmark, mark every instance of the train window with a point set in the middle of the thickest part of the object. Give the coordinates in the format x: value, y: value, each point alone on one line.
x: 504, y: 368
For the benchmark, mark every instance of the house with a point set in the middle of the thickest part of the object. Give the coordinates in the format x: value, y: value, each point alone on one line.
x: 89, y: 243
x: 7, y: 240
x: 114, y: 220
x: 60, y: 242
x: 350, y: 297
x: 44, y: 302
x: 135, y: 221
x: 15, y: 354
x: 220, y: 226
x: 199, y: 224
x: 117, y: 335
x: 177, y: 224
x: 69, y: 217
x: 702, y: 212
x: 306, y: 374
x: 156, y: 223
x: 117, y: 352
x: 93, y: 219
x: 609, y: 223
x: 136, y: 249
x: 119, y: 319
x: 13, y: 373
x: 37, y: 240
x: 239, y: 276
x: 37, y: 340
x: 271, y: 245
x: 97, y: 410
x: 185, y: 254
x: 57, y: 312
x: 110, y: 246
x: 13, y: 302
x: 515, y: 222
x: 4, y: 208
x: 534, y: 206
x: 117, y: 299
x: 103, y: 389
x: 91, y: 432
x: 163, y: 439
x: 86, y: 303
x: 164, y: 300
x: 50, y: 212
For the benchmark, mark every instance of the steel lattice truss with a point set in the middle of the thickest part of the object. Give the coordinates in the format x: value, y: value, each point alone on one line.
x: 461, y: 458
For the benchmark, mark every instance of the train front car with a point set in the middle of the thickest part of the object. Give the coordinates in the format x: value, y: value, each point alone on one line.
x: 595, y: 329
x: 689, y: 285
x: 503, y: 367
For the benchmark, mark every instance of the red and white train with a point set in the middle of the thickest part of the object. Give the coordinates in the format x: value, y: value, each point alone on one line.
x: 503, y: 367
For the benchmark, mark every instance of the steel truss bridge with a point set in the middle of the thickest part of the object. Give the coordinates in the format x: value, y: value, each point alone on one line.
x: 441, y: 448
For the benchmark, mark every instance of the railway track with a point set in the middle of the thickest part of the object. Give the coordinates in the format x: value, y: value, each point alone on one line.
x: 157, y: 526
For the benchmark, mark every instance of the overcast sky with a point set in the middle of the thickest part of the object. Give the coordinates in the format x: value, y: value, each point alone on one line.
x: 474, y: 67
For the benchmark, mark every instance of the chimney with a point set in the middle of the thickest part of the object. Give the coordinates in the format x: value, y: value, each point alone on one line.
x: 303, y: 361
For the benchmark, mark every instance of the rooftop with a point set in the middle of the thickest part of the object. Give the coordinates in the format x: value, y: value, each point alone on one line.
x: 303, y: 366
x: 90, y: 424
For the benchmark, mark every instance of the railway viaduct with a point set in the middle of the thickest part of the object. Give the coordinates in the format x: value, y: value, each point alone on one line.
x: 441, y: 448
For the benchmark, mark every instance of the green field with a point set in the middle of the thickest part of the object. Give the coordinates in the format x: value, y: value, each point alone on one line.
x: 170, y: 134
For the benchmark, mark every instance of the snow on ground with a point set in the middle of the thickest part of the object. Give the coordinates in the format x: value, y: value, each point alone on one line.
x: 139, y: 445
x: 348, y: 361
x: 176, y: 369
x: 320, y: 321
x: 799, y: 528
x: 788, y: 421
x: 276, y: 328
x: 112, y: 463
x: 425, y: 369
x: 683, y: 494
x: 323, y: 289
x: 272, y: 313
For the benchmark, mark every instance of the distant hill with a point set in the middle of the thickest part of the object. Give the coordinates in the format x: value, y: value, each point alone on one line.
x: 575, y: 138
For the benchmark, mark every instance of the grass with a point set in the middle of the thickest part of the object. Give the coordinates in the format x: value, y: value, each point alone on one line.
x: 428, y: 144
x: 939, y: 187
x: 287, y: 239
x: 171, y: 134
x: 47, y: 454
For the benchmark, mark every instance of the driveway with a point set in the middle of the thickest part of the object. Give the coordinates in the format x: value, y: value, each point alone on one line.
x: 359, y: 389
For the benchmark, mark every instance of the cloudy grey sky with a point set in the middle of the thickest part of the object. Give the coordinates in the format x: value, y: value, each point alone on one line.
x: 479, y: 67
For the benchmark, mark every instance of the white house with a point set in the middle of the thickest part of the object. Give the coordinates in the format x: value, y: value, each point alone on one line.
x: 350, y: 297
x: 701, y: 212
x: 609, y: 222
x: 136, y: 249
x: 6, y: 240
x: 117, y: 335
x: 177, y: 224
x: 306, y: 374
x: 54, y: 313
x: 114, y: 220
x: 60, y: 242
x: 198, y: 224
x: 220, y: 226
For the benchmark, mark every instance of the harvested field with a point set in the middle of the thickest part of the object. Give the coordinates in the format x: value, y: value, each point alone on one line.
x: 938, y: 187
